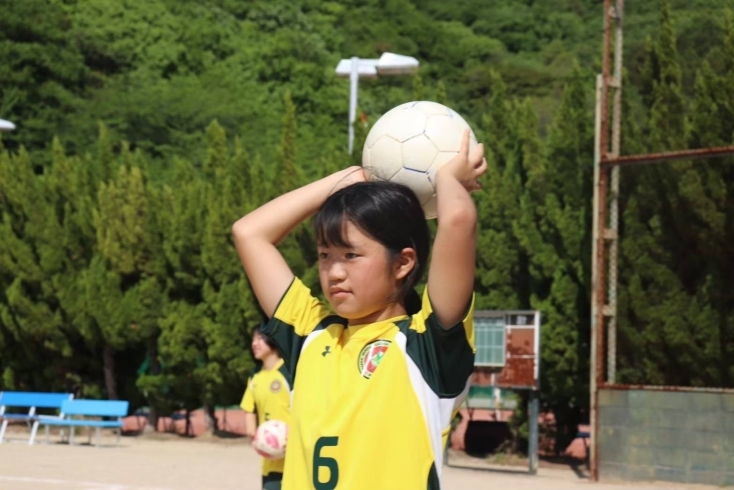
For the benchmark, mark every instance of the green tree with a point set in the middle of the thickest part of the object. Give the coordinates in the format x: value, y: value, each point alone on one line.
x: 288, y: 175
x: 498, y: 252
x: 298, y: 248
x: 673, y: 313
x: 417, y: 87
x: 556, y: 234
x: 441, y: 92
x: 166, y: 384
x: 31, y: 320
x: 224, y: 309
x: 125, y: 259
x: 666, y: 124
x: 42, y: 71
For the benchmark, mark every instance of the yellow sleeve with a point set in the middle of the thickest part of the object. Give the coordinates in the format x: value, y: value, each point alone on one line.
x: 299, y: 309
x: 298, y: 314
x: 248, y: 400
x: 426, y: 319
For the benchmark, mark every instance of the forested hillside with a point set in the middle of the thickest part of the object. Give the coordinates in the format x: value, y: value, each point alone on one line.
x: 146, y: 127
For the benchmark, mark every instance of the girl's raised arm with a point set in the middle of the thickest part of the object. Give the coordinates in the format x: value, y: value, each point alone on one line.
x: 451, y: 273
x: 257, y: 234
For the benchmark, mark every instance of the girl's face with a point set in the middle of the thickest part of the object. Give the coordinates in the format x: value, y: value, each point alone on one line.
x: 260, y: 348
x: 360, y: 280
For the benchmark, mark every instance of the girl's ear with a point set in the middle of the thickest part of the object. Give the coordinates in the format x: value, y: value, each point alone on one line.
x: 404, y: 264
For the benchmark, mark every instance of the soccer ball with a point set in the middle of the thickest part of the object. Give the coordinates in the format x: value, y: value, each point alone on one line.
x: 270, y: 439
x: 410, y: 142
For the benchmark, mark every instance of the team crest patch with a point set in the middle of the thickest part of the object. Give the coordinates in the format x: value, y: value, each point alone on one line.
x: 275, y: 386
x: 371, y: 356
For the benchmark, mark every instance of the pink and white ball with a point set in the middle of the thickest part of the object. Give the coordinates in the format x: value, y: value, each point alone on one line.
x: 270, y: 439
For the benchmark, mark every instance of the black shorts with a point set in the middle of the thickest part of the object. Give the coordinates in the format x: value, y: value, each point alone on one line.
x: 272, y: 481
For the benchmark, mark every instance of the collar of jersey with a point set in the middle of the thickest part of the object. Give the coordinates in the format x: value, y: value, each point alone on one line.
x: 370, y: 328
x: 276, y: 366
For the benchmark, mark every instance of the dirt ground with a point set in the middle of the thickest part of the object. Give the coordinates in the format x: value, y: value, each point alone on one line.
x: 171, y: 462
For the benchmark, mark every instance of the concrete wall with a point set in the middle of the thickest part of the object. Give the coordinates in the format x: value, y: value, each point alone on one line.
x: 680, y: 436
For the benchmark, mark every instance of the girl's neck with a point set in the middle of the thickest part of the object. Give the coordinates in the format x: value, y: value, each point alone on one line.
x: 270, y: 361
x: 392, y: 310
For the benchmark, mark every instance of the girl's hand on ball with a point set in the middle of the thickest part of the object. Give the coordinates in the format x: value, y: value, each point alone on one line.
x: 467, y: 166
x: 350, y: 176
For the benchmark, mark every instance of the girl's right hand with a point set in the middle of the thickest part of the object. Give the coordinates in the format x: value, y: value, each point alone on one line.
x: 351, y: 175
x: 466, y: 166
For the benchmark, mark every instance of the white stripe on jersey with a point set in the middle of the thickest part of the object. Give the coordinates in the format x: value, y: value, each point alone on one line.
x: 436, y: 411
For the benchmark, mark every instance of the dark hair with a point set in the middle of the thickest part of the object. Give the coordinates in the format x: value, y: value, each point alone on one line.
x: 258, y: 330
x: 389, y: 213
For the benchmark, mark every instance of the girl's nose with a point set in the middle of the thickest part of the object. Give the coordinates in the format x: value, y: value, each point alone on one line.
x: 336, y: 272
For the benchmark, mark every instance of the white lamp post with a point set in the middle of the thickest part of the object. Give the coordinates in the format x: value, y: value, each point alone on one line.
x: 354, y: 68
x: 6, y: 125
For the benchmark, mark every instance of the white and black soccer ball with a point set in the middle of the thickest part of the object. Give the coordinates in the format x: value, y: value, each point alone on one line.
x: 410, y: 142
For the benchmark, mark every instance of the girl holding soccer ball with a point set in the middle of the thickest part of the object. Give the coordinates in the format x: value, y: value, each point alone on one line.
x: 266, y: 399
x: 376, y: 382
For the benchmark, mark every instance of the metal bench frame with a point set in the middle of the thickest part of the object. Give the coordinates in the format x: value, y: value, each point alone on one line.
x: 89, y: 408
x: 32, y: 401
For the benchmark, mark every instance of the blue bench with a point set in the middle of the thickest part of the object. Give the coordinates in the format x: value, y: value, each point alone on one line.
x: 89, y: 408
x: 30, y: 401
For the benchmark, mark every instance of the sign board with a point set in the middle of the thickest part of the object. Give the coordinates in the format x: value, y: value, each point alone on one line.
x: 508, y: 349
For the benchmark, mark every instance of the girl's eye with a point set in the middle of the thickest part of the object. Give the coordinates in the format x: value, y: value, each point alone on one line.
x: 351, y: 255
x: 323, y: 256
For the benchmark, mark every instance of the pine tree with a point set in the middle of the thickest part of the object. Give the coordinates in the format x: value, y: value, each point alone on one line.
x: 223, y: 309
x: 441, y: 97
x: 556, y: 235
x: 298, y: 248
x: 124, y: 259
x: 122, y: 233
x: 105, y: 157
x: 417, y: 87
x: 216, y: 250
x: 238, y: 185
x: 215, y: 165
x: 674, y: 228
x: 262, y: 186
x: 31, y: 320
x: 178, y: 347
x: 498, y: 251
x: 668, y: 107
x: 287, y: 176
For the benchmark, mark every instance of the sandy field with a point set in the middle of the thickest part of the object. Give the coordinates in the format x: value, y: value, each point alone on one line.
x: 172, y: 462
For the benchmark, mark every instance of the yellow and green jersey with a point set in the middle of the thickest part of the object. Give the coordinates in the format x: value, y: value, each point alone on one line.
x: 371, y: 404
x: 268, y: 395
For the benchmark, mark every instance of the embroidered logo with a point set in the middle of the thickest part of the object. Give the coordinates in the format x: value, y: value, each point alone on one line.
x: 275, y: 386
x: 371, y: 356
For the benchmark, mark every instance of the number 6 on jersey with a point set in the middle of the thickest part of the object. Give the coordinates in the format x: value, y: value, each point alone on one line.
x: 323, y: 461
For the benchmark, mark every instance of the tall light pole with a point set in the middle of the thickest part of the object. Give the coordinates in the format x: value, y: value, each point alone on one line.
x: 6, y: 125
x: 354, y: 68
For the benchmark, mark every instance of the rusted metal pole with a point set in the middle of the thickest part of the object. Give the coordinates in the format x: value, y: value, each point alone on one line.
x: 690, y: 389
x: 614, y: 195
x: 720, y: 151
x: 604, y: 129
x: 593, y: 390
x: 600, y: 192
x: 600, y: 297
